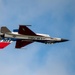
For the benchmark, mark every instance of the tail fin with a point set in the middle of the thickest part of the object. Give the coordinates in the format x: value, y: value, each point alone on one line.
x: 5, y: 30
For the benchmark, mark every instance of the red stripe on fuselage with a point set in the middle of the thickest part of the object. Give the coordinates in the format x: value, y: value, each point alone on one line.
x: 4, y: 44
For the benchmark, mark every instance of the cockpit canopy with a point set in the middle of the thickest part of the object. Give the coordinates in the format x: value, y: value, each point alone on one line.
x: 45, y: 35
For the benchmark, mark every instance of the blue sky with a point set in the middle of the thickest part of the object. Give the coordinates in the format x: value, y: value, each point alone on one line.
x: 53, y: 17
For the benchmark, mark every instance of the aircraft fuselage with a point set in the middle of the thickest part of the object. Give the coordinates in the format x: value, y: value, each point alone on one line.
x: 25, y: 36
x: 38, y: 38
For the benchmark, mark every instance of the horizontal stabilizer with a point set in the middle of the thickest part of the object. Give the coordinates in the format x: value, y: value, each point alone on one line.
x: 25, y: 30
x: 3, y: 44
x: 5, y: 30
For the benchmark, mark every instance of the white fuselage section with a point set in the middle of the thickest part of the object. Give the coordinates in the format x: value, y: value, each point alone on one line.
x: 38, y: 38
x: 27, y: 37
x: 43, y: 38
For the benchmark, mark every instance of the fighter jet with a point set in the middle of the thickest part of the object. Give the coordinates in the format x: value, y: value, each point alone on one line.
x: 24, y: 36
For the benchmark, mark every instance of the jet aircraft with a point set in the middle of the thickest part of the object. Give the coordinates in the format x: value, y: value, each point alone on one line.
x: 24, y: 36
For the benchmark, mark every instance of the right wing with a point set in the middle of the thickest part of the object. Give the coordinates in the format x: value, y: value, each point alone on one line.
x: 20, y: 43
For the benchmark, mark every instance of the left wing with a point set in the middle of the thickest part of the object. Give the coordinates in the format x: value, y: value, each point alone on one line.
x: 24, y: 30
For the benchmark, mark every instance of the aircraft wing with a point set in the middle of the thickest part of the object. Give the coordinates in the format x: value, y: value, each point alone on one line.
x: 24, y: 30
x: 20, y: 43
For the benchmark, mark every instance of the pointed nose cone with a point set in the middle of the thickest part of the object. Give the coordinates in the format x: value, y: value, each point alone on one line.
x: 64, y: 40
